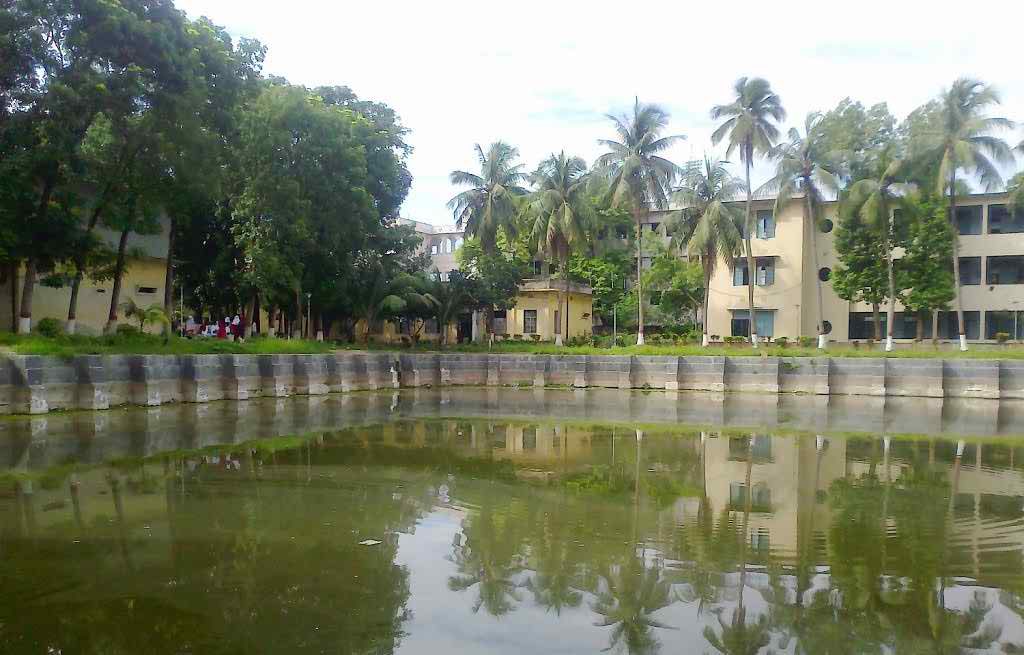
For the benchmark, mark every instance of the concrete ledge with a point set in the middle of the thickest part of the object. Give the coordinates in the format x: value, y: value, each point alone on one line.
x: 32, y: 384
x: 857, y: 376
x: 804, y: 375
x: 752, y: 374
x: 921, y: 378
x: 970, y: 378
x: 701, y: 373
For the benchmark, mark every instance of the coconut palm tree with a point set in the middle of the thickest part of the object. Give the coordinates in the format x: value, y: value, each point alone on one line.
x: 557, y: 211
x: 806, y: 169
x: 707, y: 225
x: 640, y: 178
x: 962, y: 140
x: 631, y: 593
x: 873, y: 201
x: 750, y: 129
x: 492, y: 201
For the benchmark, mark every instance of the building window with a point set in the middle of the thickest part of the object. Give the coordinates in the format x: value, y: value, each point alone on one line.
x: 948, y: 328
x: 826, y: 225
x: 862, y: 325
x: 645, y: 263
x: 145, y: 289
x: 602, y: 234
x: 654, y: 226
x: 433, y: 249
x: 968, y: 219
x: 824, y: 274
x: 530, y: 438
x: 530, y: 321
x: 1010, y: 322
x: 1001, y: 222
x: 621, y: 233
x: 765, y: 272
x: 1007, y: 269
x: 741, y: 323
x: 760, y: 541
x: 970, y: 270
x: 761, y: 499
x: 500, y: 321
x: 537, y: 267
x: 765, y: 224
x: 558, y: 322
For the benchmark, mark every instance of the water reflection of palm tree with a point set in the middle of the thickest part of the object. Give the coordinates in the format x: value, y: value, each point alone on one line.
x: 488, y: 558
x: 739, y: 637
x: 633, y: 590
x: 555, y: 582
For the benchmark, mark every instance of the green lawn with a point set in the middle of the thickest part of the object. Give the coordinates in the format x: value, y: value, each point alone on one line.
x: 146, y: 344
x: 924, y: 350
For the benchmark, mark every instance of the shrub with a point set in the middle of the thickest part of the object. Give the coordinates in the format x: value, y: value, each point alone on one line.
x: 535, y: 337
x: 807, y: 342
x: 714, y: 337
x: 782, y: 342
x: 1001, y: 337
x: 620, y: 341
x: 735, y: 339
x: 517, y: 337
x: 49, y: 327
x: 126, y: 330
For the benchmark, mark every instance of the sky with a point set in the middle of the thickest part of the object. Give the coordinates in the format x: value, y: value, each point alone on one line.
x: 544, y: 75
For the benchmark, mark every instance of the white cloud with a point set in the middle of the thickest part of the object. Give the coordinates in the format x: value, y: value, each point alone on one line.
x: 541, y: 75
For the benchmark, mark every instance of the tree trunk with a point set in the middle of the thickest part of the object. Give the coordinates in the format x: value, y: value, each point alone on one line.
x: 812, y: 219
x: 25, y: 316
x: 877, y: 316
x: 255, y: 324
x: 76, y: 284
x: 920, y: 327
x: 12, y: 271
x: 169, y: 276
x: 707, y: 301
x: 115, y: 294
x: 747, y: 242
x: 28, y: 288
x: 935, y: 327
x: 297, y: 333
x: 891, y: 314
x: 958, y: 304
x: 637, y: 215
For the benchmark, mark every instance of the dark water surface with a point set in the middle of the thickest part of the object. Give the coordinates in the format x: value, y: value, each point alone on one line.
x: 516, y: 521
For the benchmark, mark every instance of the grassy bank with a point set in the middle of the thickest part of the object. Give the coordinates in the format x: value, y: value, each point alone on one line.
x: 919, y: 351
x: 145, y: 344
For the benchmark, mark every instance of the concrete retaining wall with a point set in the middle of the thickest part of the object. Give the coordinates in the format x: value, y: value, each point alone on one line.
x: 36, y: 385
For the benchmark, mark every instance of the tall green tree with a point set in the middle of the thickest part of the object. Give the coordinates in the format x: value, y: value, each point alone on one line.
x: 861, y: 275
x: 806, y: 170
x: 640, y: 177
x: 961, y: 140
x: 708, y: 226
x: 490, y: 206
x: 557, y: 212
x: 925, y: 271
x: 750, y: 127
x: 875, y: 201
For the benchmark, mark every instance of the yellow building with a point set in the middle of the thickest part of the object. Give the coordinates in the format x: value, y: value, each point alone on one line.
x: 143, y: 282
x: 787, y: 270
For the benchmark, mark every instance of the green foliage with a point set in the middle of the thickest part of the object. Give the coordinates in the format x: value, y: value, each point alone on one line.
x: 861, y: 275
x: 678, y: 284
x: 605, y: 274
x: 855, y: 135
x: 49, y: 327
x: 152, y: 315
x: 494, y: 198
x: 497, y: 273
x: 926, y: 269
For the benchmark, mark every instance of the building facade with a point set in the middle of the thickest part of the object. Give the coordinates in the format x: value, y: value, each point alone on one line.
x: 787, y: 270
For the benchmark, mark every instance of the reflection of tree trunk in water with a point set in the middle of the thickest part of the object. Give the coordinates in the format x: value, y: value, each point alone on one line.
x: 25, y: 495
x: 808, y: 541
x: 636, y: 491
x: 960, y: 445
x: 885, y: 502
x: 746, y: 525
x: 115, y: 490
x: 76, y: 503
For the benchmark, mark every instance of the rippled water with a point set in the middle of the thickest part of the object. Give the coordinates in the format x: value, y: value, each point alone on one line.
x: 509, y: 521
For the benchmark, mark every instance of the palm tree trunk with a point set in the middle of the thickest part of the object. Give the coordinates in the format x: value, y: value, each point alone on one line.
x: 560, y: 335
x: 891, y: 315
x: 115, y: 294
x: 639, y: 276
x: 958, y: 304
x: 747, y: 242
x: 812, y: 219
x: 169, y: 276
x: 707, y: 298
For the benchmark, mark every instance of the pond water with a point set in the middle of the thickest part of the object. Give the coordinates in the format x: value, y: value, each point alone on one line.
x: 512, y: 521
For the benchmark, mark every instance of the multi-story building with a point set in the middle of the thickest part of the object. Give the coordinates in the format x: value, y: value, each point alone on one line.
x: 787, y: 270
x: 545, y: 307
